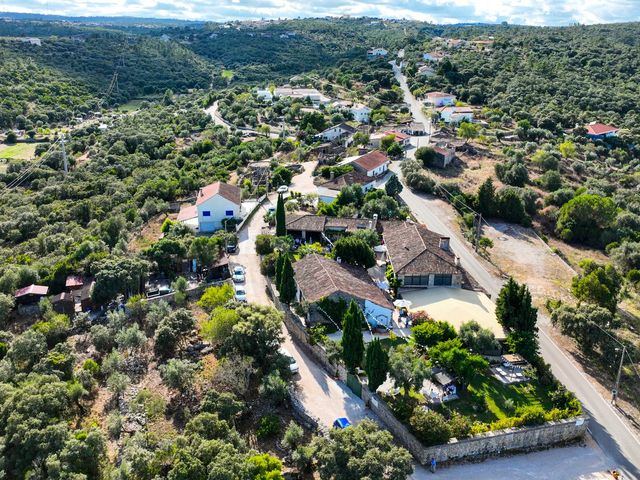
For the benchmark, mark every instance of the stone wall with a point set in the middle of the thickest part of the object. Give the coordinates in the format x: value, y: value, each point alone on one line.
x: 482, y: 446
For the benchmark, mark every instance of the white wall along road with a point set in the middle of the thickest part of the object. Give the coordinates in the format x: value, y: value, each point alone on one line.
x: 609, y: 430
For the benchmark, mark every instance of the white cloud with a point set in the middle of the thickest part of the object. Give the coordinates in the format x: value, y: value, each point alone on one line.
x: 531, y: 12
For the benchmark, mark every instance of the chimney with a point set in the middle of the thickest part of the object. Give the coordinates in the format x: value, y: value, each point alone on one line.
x: 444, y: 243
x: 457, y: 261
x: 375, y: 216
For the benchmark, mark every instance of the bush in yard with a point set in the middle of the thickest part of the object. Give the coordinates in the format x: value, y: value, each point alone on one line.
x: 393, y: 186
x: 420, y: 317
x: 460, y: 425
x: 354, y: 251
x: 293, y: 435
x: 426, y: 155
x: 268, y: 426
x: 287, y: 286
x: 531, y: 415
x: 428, y: 334
x: 274, y: 388
x: 430, y: 427
x: 264, y: 244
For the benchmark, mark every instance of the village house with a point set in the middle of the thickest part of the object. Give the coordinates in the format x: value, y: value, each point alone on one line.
x: 31, y: 294
x: 600, y: 131
x: 319, y: 277
x: 433, y: 56
x: 312, y: 94
x: 336, y: 133
x: 311, y: 228
x: 360, y: 113
x: 377, y: 52
x: 329, y: 190
x: 439, y: 99
x: 456, y: 114
x: 402, y: 138
x: 426, y: 71
x: 419, y: 257
x: 372, y: 164
x: 444, y: 155
x: 214, y: 203
x: 414, y: 128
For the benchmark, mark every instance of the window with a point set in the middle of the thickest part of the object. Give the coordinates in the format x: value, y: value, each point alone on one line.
x: 206, y: 213
x: 229, y: 213
x: 440, y: 279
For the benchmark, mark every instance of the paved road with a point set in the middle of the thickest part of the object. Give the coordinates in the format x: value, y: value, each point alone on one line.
x: 610, y: 432
x: 322, y: 396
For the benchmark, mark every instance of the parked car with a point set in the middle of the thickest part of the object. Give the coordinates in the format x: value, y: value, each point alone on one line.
x: 282, y: 189
x: 341, y: 423
x: 293, y: 365
x: 238, y: 274
x: 232, y: 247
x: 241, y: 293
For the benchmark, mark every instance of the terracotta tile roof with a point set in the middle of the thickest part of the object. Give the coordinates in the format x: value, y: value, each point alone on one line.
x: 456, y: 109
x: 187, y: 212
x: 372, y: 160
x: 415, y: 250
x: 347, y: 179
x: 230, y: 192
x: 400, y: 137
x: 322, y: 223
x: 318, y: 277
x: 600, y: 129
x: 32, y: 290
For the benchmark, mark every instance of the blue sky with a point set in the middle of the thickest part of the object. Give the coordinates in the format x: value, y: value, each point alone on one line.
x: 531, y: 12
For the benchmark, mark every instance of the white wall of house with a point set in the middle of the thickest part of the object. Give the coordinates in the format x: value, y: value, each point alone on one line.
x: 376, y: 171
x: 361, y: 114
x: 377, y: 313
x: 456, y: 117
x: 441, y: 101
x: 332, y: 133
x: 264, y: 95
x: 212, y: 211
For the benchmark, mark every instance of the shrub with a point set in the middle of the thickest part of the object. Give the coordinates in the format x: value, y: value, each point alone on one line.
x: 430, y: 427
x: 268, y: 426
x: 264, y: 244
x: 216, y: 297
x: 460, y: 425
x: 91, y: 366
x: 531, y: 415
x: 268, y: 264
x: 420, y: 317
x: 428, y: 334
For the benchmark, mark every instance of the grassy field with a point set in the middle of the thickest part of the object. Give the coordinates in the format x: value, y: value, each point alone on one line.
x: 497, y: 396
x: 19, y: 151
x: 133, y: 105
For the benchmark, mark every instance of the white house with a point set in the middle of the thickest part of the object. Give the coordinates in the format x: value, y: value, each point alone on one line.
x: 313, y: 94
x: 337, y: 132
x: 329, y: 190
x: 264, y: 94
x: 456, y: 114
x: 360, y: 113
x: 377, y: 52
x: 433, y: 56
x: 599, y: 131
x: 215, y: 203
x: 440, y: 99
x: 426, y: 71
x: 372, y: 164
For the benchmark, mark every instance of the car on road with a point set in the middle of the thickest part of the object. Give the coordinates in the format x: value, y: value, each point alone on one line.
x: 282, y: 189
x: 232, y: 247
x: 341, y: 423
x: 293, y: 365
x: 238, y: 274
x: 241, y: 293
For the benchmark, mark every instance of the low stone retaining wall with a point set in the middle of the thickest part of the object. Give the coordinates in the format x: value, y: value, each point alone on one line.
x: 481, y: 446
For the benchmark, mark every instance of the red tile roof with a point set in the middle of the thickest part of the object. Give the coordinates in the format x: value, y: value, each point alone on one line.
x: 187, y: 212
x: 399, y: 135
x: 74, y: 281
x: 230, y: 192
x: 600, y: 129
x: 32, y: 290
x: 440, y: 94
x: 371, y: 160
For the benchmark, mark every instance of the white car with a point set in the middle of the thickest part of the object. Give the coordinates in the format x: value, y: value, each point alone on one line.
x: 282, y: 189
x: 293, y: 365
x: 241, y: 293
x: 238, y: 274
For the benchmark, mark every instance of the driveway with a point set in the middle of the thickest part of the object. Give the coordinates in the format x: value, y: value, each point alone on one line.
x: 303, y: 182
x: 322, y: 396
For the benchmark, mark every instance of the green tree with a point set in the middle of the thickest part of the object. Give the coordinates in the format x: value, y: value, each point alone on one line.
x: 352, y: 339
x: 567, y: 149
x: 287, y: 287
x: 487, y: 198
x: 376, y: 364
x: 6, y: 305
x: 354, y: 251
x: 430, y: 427
x: 219, y: 325
x: 430, y: 333
x: 426, y: 156
x: 393, y: 186
x: 205, y: 250
x: 281, y: 226
x: 468, y: 131
x: 279, y: 266
x: 363, y: 451
x: 514, y: 309
x: 407, y: 369
x: 216, y: 297
x: 597, y: 284
x: 584, y: 218
x: 178, y: 374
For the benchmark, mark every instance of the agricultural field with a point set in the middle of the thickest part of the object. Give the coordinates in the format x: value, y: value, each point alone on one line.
x: 19, y: 151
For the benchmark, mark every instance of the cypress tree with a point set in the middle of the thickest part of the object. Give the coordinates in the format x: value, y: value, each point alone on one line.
x: 376, y: 364
x: 281, y: 228
x: 352, y: 341
x: 287, y: 287
x: 487, y: 198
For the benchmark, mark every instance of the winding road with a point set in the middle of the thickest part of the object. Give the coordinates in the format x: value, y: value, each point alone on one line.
x: 608, y: 429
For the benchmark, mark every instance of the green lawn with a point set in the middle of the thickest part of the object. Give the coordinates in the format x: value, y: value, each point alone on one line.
x: 389, y: 343
x: 19, y: 151
x: 496, y: 395
x: 133, y: 105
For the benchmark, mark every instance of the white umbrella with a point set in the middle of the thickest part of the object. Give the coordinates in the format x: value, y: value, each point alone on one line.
x: 402, y: 303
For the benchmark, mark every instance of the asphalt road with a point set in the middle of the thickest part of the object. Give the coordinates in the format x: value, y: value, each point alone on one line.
x: 611, y: 433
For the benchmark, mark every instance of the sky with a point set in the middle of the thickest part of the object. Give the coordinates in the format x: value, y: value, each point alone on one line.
x: 529, y: 12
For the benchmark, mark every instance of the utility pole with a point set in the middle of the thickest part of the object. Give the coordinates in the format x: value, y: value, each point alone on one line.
x: 478, y: 230
x: 65, y: 161
x: 614, y: 392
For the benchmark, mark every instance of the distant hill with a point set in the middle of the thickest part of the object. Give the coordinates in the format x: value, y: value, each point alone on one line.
x: 115, y: 21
